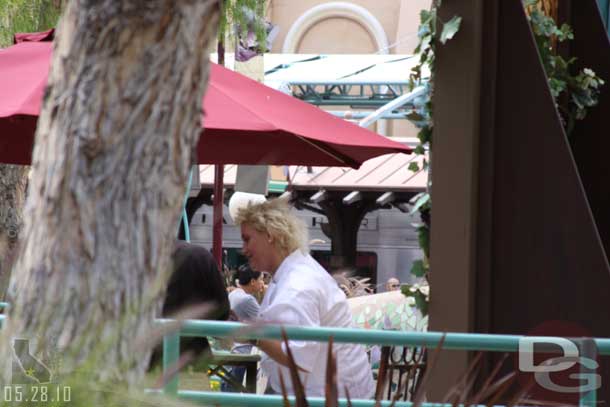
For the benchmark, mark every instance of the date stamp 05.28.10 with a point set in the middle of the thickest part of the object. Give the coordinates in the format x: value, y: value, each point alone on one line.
x: 31, y: 394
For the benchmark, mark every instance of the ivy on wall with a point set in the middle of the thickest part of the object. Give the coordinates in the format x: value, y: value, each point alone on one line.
x: 432, y: 32
x: 574, y: 92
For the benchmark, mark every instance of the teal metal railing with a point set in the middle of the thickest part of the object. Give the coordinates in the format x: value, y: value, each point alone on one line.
x: 452, y: 341
x: 456, y: 341
x: 184, y: 217
x: 253, y: 400
x: 604, y: 8
x: 3, y: 309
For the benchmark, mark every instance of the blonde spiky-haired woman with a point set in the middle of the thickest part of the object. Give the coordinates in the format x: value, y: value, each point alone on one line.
x: 301, y: 293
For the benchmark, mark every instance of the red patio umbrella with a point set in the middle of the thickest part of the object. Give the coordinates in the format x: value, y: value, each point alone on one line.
x: 245, y: 121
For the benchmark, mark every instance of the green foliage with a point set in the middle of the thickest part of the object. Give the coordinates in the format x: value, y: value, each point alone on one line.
x: 419, y: 294
x: 415, y: 117
x: 421, y: 116
x: 413, y: 167
x: 450, y: 28
x: 419, y: 268
x: 420, y: 201
x: 421, y: 302
x: 237, y: 17
x: 423, y: 237
x: 425, y: 48
x: 27, y: 16
x: 582, y: 89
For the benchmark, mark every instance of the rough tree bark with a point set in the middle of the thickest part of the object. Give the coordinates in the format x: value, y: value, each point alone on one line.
x: 13, y: 182
x: 115, y: 141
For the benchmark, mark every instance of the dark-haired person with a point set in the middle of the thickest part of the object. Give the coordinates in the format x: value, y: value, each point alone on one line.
x: 245, y: 307
x: 242, y: 299
x: 195, y: 280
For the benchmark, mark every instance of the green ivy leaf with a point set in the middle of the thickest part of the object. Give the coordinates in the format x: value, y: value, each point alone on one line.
x: 425, y: 135
x: 419, y: 150
x: 420, y: 200
x: 424, y: 18
x: 424, y: 45
x: 423, y: 237
x: 415, y: 117
x: 421, y: 303
x: 411, y: 82
x: 413, y: 166
x: 565, y: 32
x: 405, y: 289
x: 583, y: 88
x: 423, y: 57
x: 450, y: 28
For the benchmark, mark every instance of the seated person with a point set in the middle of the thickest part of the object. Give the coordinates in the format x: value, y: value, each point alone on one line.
x: 245, y: 308
x: 196, y: 280
x: 243, y: 303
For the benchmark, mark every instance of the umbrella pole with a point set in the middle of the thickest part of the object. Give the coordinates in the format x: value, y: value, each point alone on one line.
x: 218, y: 208
x: 219, y: 173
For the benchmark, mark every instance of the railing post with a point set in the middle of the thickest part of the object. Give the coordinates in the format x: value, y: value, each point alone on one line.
x: 185, y: 220
x: 588, y: 349
x: 3, y: 310
x: 171, y: 353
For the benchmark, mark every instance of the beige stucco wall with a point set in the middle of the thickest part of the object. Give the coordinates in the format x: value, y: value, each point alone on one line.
x: 336, y: 35
x: 399, y: 19
x: 408, y: 22
x: 348, y: 34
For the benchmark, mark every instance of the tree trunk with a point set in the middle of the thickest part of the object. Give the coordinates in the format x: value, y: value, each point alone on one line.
x: 115, y: 141
x: 13, y: 181
x: 342, y: 228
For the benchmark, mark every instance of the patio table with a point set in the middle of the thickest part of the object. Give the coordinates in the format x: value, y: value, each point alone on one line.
x: 220, y: 359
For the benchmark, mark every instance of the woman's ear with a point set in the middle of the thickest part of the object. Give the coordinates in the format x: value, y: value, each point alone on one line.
x: 269, y: 238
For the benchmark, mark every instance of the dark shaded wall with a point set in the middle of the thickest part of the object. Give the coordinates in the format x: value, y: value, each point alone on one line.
x: 540, y: 257
x: 591, y: 137
x: 515, y: 243
x: 454, y: 186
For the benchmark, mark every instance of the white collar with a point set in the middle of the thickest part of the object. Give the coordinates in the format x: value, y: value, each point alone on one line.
x: 283, y: 269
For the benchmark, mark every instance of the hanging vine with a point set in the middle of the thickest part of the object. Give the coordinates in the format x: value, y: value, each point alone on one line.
x: 432, y: 32
x: 573, y: 93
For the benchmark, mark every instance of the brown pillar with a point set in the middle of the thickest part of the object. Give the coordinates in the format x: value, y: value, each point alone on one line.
x: 454, y: 191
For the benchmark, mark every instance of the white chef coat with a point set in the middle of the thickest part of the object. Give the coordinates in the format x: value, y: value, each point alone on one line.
x: 303, y: 293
